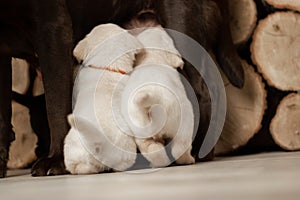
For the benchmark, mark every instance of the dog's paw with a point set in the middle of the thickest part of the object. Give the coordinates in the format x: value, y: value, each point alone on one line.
x: 49, y: 166
x: 3, y: 162
x: 7, y: 137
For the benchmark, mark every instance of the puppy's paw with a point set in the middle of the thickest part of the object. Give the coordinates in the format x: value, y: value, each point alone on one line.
x: 49, y: 166
x: 185, y: 159
x: 126, y: 162
x: 160, y: 161
x: 84, y: 168
x: 157, y: 155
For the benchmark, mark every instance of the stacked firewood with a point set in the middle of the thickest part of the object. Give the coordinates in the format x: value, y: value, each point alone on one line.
x: 266, y: 112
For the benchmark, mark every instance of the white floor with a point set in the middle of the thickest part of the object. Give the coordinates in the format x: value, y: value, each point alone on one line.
x: 262, y: 176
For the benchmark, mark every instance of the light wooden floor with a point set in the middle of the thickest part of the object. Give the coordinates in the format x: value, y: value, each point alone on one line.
x: 262, y: 176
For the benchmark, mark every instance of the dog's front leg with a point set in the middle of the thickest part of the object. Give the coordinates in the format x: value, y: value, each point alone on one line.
x: 6, y: 133
x: 53, y: 46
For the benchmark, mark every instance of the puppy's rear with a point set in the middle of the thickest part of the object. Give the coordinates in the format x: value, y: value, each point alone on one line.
x: 158, y: 106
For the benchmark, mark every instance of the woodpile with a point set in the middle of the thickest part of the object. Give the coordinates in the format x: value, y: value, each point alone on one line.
x: 274, y: 52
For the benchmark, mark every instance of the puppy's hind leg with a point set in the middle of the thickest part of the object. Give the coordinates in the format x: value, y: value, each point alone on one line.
x: 6, y: 133
x: 181, y: 149
x: 181, y: 145
x: 77, y: 159
x: 153, y: 151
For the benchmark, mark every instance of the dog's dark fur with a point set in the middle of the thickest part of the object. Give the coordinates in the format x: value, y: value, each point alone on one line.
x: 49, y: 30
x: 38, y: 115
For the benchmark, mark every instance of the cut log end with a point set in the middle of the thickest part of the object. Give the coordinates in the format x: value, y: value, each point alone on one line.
x: 285, y: 126
x: 243, y: 17
x: 245, y: 110
x: 285, y: 4
x: 22, y: 149
x: 275, y: 50
x: 20, y: 76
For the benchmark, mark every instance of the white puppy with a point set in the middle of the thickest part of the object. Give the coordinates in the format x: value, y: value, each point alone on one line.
x: 99, y: 138
x: 95, y: 143
x: 157, y: 105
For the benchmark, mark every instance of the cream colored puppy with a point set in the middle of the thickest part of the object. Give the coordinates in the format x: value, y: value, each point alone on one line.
x: 95, y: 143
x: 157, y: 108
x: 100, y: 139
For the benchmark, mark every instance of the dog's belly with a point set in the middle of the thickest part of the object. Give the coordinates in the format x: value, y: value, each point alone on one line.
x: 18, y: 20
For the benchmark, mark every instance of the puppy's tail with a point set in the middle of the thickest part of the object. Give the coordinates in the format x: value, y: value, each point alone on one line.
x: 143, y: 99
x: 151, y: 112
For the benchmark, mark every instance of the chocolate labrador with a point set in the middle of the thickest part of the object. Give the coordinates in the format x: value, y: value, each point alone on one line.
x: 44, y: 33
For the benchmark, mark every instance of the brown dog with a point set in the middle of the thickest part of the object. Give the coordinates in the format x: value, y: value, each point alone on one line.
x: 44, y: 32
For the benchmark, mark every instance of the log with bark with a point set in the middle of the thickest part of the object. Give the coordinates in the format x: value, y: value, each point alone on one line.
x: 285, y: 4
x: 20, y: 78
x: 243, y: 17
x: 22, y: 150
x: 245, y: 110
x: 275, y: 50
x: 285, y: 126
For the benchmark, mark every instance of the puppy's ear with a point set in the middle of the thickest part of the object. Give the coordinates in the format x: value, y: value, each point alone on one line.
x: 172, y: 53
x: 175, y: 60
x: 80, y: 50
x: 71, y: 120
x: 180, y: 64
